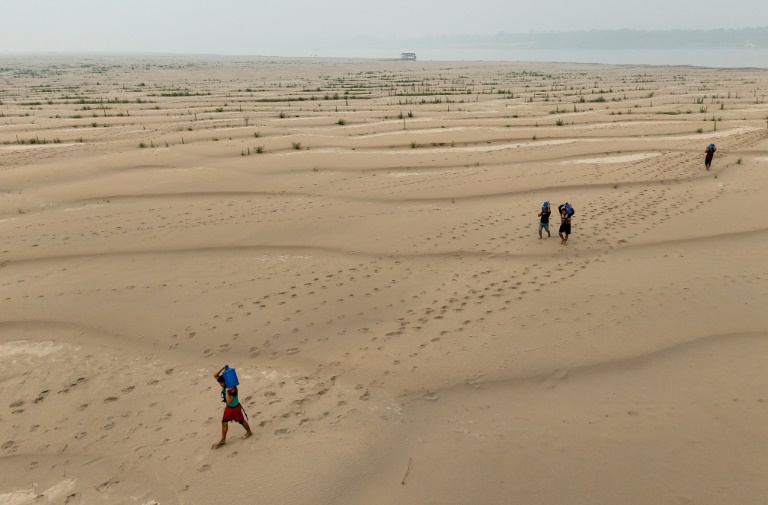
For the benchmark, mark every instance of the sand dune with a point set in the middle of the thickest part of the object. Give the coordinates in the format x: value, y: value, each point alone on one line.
x: 358, y: 239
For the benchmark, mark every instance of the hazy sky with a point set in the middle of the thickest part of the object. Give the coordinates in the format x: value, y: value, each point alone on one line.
x: 291, y: 26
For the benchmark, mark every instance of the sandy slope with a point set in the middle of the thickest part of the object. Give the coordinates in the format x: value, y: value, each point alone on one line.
x: 401, y: 333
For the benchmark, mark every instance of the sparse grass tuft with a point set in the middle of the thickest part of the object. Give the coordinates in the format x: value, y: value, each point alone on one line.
x: 341, y: 122
x: 259, y: 149
x: 700, y: 130
x: 296, y: 145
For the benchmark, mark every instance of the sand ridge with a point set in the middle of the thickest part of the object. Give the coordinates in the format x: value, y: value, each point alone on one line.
x: 358, y: 239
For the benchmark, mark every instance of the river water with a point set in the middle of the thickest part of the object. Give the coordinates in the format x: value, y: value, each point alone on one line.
x: 718, y: 57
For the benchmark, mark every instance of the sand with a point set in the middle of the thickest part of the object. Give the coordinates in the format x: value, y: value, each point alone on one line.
x: 371, y: 267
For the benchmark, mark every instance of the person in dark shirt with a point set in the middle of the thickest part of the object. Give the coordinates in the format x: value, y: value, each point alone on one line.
x: 565, y: 223
x: 544, y: 221
x: 710, y: 154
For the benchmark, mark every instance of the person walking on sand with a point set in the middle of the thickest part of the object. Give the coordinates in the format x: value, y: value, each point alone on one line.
x: 233, y: 411
x: 710, y: 154
x: 544, y: 221
x: 566, y: 212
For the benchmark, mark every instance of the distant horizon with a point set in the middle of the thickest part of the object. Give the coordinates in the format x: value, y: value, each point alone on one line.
x: 728, y: 59
x: 721, y: 48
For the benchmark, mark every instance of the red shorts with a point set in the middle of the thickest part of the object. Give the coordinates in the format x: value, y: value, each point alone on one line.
x: 233, y: 414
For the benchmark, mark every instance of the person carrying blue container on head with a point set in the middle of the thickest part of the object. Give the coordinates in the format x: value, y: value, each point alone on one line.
x: 544, y: 221
x: 566, y: 213
x: 233, y: 411
x: 710, y: 154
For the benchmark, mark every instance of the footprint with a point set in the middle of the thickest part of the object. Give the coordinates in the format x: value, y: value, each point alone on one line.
x: 41, y: 396
x: 106, y: 485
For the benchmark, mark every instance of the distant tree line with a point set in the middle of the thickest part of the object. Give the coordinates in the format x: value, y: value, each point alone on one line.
x: 640, y: 39
x: 602, y: 39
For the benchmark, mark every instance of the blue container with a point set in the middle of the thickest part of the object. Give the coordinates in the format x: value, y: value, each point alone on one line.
x: 230, y: 377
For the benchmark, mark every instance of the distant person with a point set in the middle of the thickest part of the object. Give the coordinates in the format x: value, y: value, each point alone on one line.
x: 544, y: 221
x: 710, y: 154
x: 566, y: 212
x: 233, y: 411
